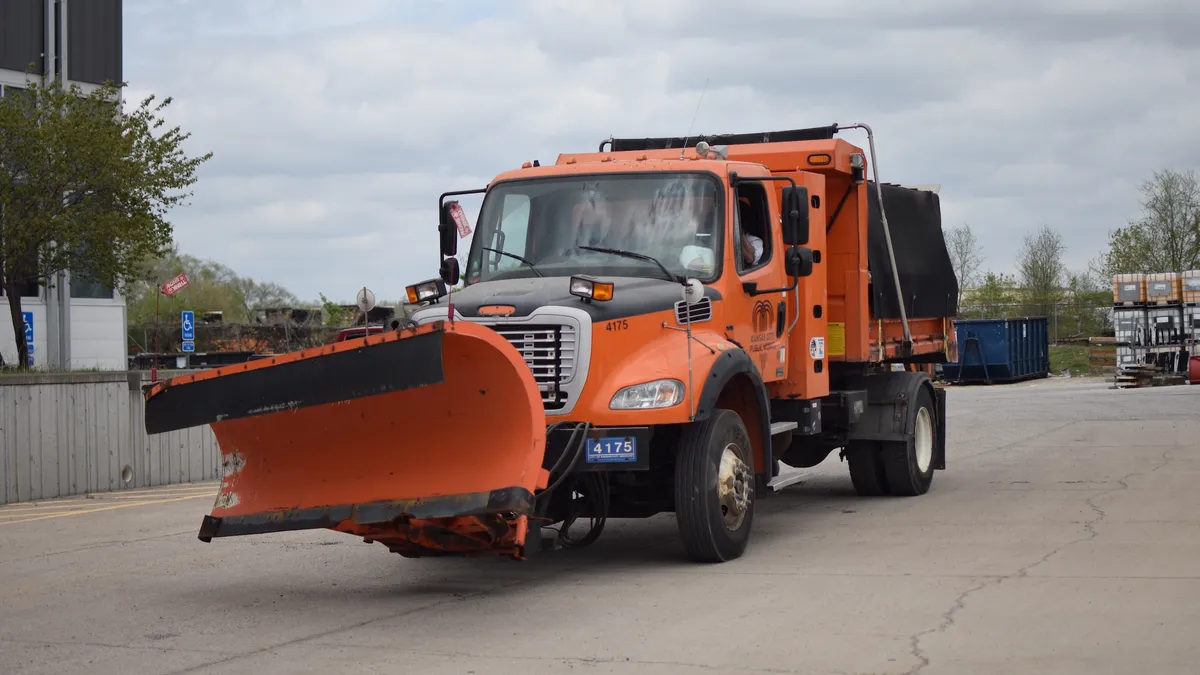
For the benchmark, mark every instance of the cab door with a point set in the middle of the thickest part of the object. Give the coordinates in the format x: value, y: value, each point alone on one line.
x: 757, y: 256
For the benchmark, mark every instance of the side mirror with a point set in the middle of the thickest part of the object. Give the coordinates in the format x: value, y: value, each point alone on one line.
x: 448, y: 229
x: 449, y: 271
x: 795, y: 215
x: 798, y: 262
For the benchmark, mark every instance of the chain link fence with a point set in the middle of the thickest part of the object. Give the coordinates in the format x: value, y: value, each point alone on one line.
x: 1069, y: 321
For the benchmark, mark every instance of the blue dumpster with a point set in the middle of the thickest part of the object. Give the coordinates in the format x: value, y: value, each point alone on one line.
x: 1000, y: 350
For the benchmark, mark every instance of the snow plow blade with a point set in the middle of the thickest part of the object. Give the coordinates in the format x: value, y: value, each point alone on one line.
x: 429, y: 440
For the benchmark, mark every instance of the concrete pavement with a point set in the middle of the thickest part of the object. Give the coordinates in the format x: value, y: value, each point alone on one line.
x: 1063, y: 538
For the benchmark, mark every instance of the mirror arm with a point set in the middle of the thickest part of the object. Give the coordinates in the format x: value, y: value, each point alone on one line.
x: 455, y: 193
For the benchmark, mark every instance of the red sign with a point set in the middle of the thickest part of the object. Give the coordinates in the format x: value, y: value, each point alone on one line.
x: 460, y: 220
x: 173, y: 286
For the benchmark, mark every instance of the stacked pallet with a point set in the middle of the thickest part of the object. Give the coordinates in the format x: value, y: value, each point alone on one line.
x: 1156, y: 321
x: 1136, y: 375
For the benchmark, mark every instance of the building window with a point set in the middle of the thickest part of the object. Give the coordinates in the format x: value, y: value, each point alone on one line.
x: 85, y: 289
x: 29, y: 289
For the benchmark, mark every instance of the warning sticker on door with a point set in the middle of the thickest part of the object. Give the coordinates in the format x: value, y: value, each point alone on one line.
x: 816, y: 348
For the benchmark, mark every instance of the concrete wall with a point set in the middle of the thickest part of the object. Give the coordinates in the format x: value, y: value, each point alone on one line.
x: 68, y: 434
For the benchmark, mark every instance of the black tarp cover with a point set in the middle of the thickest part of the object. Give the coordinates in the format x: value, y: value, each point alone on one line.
x: 926, y: 273
x: 666, y: 143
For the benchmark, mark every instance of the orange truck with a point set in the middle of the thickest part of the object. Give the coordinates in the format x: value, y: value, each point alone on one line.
x: 664, y: 325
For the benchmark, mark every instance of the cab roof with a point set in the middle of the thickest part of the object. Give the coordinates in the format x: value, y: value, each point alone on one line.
x: 813, y: 149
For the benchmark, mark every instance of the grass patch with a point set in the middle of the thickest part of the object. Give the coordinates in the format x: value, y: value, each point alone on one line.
x: 1069, y: 357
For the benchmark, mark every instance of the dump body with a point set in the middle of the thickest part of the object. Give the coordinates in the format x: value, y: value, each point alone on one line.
x: 1000, y: 350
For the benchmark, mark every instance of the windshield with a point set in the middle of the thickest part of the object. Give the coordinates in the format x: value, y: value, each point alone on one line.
x: 540, y: 226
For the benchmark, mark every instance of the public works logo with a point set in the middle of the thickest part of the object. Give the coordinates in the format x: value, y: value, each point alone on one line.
x: 763, y: 317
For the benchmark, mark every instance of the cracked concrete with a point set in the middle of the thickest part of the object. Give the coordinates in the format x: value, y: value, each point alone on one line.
x: 1063, y: 538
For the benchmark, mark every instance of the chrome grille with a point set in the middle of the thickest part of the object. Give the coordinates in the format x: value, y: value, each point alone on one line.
x: 693, y: 313
x: 551, y: 352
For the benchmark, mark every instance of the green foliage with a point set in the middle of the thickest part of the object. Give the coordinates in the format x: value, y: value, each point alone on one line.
x: 994, y: 298
x: 212, y: 287
x: 85, y: 187
x: 1073, y: 358
x: 1167, y: 236
x: 1083, y: 312
x: 335, y: 314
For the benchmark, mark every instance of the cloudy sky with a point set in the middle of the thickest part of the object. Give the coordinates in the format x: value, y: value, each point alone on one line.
x: 336, y: 125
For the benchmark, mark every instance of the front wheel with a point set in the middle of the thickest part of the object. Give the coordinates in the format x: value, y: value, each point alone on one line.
x: 714, y: 487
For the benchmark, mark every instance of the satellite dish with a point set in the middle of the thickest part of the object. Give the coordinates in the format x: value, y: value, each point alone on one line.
x: 365, y: 300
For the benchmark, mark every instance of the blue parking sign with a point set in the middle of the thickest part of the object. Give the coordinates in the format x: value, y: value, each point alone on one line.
x: 189, y: 326
x: 27, y: 317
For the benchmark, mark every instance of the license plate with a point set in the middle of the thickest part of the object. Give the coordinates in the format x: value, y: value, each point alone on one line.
x: 611, y: 450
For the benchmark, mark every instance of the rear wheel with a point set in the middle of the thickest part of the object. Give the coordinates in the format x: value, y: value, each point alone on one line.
x: 866, y: 469
x: 909, y: 466
x: 714, y: 488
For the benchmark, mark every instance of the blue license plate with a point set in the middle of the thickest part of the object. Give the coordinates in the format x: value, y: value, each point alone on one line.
x: 611, y: 450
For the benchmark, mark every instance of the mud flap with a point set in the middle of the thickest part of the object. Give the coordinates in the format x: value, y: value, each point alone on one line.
x: 939, y: 449
x: 429, y: 440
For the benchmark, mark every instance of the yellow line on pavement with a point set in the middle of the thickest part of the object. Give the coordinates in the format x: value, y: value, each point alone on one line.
x: 79, y: 504
x: 106, y: 496
x: 20, y: 513
x: 207, y: 485
x: 92, y: 497
x: 96, y: 510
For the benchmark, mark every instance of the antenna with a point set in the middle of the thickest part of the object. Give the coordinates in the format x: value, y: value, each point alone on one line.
x: 689, y: 131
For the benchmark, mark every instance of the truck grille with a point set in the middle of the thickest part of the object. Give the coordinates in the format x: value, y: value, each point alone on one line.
x: 550, y: 352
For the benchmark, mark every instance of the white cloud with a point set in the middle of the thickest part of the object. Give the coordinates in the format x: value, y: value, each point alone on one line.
x: 335, y: 130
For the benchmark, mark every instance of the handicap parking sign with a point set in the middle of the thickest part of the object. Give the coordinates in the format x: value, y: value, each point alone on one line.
x: 188, y: 321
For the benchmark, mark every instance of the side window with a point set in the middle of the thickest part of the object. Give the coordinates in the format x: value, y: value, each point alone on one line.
x: 510, y: 234
x: 752, y: 227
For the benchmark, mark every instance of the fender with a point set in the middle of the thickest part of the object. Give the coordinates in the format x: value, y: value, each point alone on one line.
x: 888, y: 394
x: 730, y: 363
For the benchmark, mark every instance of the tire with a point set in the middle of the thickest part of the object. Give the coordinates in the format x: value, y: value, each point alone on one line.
x: 909, y: 466
x: 866, y: 469
x: 711, y: 524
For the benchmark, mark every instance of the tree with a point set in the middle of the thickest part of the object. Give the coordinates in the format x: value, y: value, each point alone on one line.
x: 84, y: 187
x: 993, y: 298
x: 212, y: 287
x: 1085, y: 307
x: 966, y: 255
x: 263, y: 294
x: 1167, y: 236
x: 1041, y: 270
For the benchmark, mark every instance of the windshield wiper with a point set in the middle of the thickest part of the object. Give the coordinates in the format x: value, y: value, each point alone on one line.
x: 637, y: 256
x: 516, y: 257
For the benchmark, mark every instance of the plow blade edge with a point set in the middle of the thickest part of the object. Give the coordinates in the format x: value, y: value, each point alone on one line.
x: 429, y: 440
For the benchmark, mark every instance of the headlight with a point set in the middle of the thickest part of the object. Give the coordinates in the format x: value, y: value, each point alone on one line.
x: 588, y: 288
x: 426, y: 290
x: 656, y: 394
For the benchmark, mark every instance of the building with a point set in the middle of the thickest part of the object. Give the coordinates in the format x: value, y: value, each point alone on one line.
x: 77, y: 324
